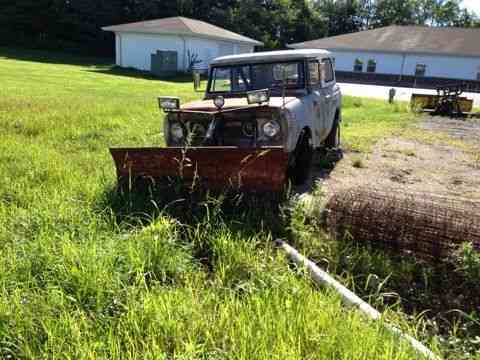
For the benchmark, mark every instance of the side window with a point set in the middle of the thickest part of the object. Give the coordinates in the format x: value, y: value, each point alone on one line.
x: 371, y: 66
x: 420, y: 70
x: 327, y: 71
x: 358, y: 65
x: 314, y: 71
x: 221, y: 82
x: 478, y: 73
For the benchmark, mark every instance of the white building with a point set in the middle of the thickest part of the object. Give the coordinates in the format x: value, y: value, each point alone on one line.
x: 137, y: 42
x: 406, y: 52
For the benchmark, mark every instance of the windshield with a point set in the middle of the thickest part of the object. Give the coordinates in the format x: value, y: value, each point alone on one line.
x: 242, y: 78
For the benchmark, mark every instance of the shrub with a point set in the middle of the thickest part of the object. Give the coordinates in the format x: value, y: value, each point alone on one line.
x: 467, y: 261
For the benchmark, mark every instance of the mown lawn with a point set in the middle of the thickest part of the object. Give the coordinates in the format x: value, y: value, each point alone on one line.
x: 82, y: 278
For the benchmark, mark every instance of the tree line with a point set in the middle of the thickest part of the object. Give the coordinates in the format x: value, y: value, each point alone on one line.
x: 76, y: 24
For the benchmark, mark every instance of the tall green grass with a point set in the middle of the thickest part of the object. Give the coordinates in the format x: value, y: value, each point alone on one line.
x: 84, y: 275
x: 367, y: 121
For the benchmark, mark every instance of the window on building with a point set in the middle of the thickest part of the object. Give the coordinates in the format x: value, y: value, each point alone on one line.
x: 314, y: 71
x: 327, y: 70
x: 358, y: 65
x: 371, y: 66
x: 478, y: 76
x: 420, y: 70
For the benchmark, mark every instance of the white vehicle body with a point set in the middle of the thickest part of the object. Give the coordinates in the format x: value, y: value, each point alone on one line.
x: 315, y: 107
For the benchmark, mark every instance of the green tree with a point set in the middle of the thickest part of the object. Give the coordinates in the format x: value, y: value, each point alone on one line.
x: 342, y: 16
x: 466, y: 19
x: 76, y: 24
x: 394, y: 12
x: 446, y: 12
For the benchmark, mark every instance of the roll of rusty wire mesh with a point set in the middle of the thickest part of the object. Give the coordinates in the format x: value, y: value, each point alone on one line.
x: 426, y: 226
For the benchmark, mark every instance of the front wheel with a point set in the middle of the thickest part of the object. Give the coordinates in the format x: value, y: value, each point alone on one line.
x: 333, y: 139
x: 301, y: 164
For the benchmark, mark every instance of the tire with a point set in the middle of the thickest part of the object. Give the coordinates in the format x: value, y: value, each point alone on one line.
x: 333, y: 139
x: 299, y: 170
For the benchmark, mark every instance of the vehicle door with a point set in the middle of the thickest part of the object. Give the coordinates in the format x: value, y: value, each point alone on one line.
x: 330, y: 94
x: 314, y: 105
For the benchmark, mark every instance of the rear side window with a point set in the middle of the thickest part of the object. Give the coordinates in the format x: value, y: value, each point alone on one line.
x: 327, y: 71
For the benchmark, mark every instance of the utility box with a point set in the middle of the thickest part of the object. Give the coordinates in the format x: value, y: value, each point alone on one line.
x: 196, y: 80
x: 164, y: 63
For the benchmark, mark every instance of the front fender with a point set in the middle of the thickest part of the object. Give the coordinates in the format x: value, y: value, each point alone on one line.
x: 290, y: 141
x: 297, y: 117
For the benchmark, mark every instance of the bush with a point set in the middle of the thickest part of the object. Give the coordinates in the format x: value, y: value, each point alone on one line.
x: 467, y: 261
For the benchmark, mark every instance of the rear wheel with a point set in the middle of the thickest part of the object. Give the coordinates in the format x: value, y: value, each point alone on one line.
x: 301, y: 162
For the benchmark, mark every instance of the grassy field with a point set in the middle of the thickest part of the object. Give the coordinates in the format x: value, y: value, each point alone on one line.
x: 82, y: 278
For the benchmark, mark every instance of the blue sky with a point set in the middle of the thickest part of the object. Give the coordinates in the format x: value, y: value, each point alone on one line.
x: 472, y: 5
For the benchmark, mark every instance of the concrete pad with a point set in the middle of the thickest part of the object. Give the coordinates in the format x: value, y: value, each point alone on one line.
x: 403, y: 94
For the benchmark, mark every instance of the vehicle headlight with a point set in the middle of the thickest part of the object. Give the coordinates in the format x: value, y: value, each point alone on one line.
x: 271, y: 129
x: 176, y: 132
x: 169, y: 103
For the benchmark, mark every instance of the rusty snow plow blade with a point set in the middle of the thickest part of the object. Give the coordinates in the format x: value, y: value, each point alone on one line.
x: 215, y: 168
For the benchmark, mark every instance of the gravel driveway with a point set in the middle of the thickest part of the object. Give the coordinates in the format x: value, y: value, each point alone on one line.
x: 443, y: 161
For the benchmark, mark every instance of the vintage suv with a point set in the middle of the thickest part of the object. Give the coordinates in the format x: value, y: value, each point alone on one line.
x: 262, y: 116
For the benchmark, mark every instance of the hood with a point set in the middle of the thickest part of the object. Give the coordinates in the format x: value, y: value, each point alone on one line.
x: 233, y: 103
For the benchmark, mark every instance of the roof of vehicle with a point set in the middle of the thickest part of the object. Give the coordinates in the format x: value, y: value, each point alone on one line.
x: 271, y: 56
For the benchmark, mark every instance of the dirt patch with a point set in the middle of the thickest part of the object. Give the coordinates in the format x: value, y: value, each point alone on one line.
x: 467, y: 131
x: 415, y: 166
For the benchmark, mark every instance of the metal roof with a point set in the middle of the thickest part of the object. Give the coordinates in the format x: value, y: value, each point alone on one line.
x: 404, y: 39
x: 182, y: 26
x: 271, y: 56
